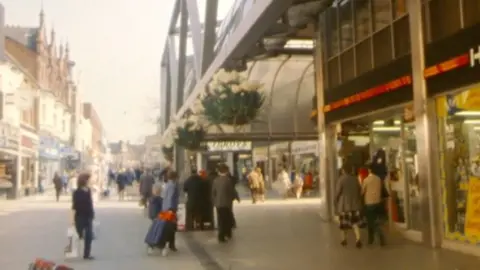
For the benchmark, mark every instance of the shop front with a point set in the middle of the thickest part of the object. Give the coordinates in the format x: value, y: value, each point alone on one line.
x: 430, y: 154
x: 456, y: 92
x: 49, y: 158
x: 305, y: 159
x: 27, y: 183
x: 236, y: 154
x: 9, y: 143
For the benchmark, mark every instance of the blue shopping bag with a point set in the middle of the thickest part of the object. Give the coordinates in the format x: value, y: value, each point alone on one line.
x: 155, y: 232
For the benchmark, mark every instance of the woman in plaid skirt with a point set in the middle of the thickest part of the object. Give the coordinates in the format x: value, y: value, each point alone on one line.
x: 349, y: 204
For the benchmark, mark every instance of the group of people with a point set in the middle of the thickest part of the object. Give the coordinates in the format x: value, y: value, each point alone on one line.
x: 360, y: 200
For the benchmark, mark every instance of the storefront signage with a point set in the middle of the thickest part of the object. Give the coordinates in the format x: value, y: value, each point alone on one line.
x: 472, y: 218
x: 29, y: 145
x: 9, y: 136
x: 229, y: 146
x: 305, y: 147
x: 474, y: 57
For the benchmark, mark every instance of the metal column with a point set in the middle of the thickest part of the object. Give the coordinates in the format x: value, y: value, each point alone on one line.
x: 209, y: 34
x: 182, y: 51
x: 196, y: 32
x: 427, y: 141
x: 326, y: 137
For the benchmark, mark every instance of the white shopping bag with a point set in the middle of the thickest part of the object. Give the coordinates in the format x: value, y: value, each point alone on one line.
x: 95, y: 229
x: 72, y: 248
x: 181, y: 215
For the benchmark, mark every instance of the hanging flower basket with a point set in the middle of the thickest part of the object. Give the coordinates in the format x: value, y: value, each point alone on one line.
x: 231, y: 99
x: 189, y: 133
x: 167, y: 152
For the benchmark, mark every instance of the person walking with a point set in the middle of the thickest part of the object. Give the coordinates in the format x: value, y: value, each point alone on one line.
x: 171, y: 196
x: 58, y: 184
x: 122, y: 181
x: 256, y: 185
x: 348, y: 204
x: 374, y: 207
x: 223, y: 195
x: 283, y: 183
x: 83, y: 213
x: 146, y: 185
x: 194, y: 188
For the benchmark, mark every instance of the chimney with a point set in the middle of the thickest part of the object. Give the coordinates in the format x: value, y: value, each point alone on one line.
x: 2, y: 33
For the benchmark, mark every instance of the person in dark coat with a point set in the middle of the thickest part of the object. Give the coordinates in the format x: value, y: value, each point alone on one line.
x: 146, y: 184
x: 122, y: 181
x: 155, y: 202
x: 223, y: 195
x: 83, y: 213
x: 194, y: 187
x: 58, y: 183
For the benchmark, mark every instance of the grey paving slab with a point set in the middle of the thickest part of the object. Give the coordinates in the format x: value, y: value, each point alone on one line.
x: 40, y: 231
x: 281, y: 235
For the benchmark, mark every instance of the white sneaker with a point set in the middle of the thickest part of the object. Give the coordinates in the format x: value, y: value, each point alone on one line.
x: 150, y: 251
x: 164, y: 252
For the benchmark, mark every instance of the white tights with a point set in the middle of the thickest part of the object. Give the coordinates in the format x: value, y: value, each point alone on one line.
x: 356, y: 231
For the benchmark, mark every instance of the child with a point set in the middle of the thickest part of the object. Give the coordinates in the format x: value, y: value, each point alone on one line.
x: 155, y: 202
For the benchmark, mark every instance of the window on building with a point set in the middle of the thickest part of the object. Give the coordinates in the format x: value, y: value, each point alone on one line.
x: 63, y: 125
x: 332, y: 33
x: 382, y: 47
x: 382, y: 14
x: 444, y: 18
x: 348, y: 65
x: 44, y: 112
x: 362, y: 20
x: 346, y: 24
x: 364, y: 56
x: 399, y: 8
x: 333, y: 72
x: 401, y: 35
x: 54, y: 119
x: 471, y: 12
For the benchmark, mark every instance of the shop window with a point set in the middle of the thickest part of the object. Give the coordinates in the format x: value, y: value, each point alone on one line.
x: 362, y: 19
x: 363, y: 56
x: 382, y: 14
x: 382, y: 47
x: 444, y: 18
x: 459, y: 138
x: 348, y: 65
x: 401, y: 36
x: 399, y: 8
x: 346, y: 24
x: 333, y: 72
x: 332, y: 33
x: 471, y: 12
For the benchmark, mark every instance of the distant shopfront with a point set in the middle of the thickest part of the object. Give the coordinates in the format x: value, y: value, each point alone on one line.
x: 50, y: 158
x: 236, y: 154
x: 9, y: 144
x: 28, y: 180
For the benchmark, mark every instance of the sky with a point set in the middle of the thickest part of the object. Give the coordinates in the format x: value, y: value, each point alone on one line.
x: 117, y: 45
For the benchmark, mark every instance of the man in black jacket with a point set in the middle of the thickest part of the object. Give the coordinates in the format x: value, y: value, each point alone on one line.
x: 195, y: 187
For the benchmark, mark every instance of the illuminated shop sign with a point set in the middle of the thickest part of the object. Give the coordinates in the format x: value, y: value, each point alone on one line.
x: 474, y: 56
x: 471, y: 58
x: 229, y: 146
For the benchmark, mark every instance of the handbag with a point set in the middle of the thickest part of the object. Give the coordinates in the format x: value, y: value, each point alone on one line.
x: 71, y: 250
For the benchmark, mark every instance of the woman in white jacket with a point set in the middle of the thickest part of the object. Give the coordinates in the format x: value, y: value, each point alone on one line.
x: 283, y: 183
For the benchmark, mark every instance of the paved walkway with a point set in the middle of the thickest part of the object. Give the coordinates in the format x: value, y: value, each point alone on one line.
x: 283, y: 235
x: 39, y: 230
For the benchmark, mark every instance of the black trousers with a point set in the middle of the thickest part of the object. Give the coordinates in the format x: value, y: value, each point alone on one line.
x: 194, y: 214
x: 224, y: 222
x: 84, y: 227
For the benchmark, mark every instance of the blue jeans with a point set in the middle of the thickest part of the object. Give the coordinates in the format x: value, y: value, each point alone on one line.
x: 374, y: 215
x: 84, y: 227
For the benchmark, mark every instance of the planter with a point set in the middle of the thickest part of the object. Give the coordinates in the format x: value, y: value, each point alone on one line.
x: 189, y: 136
x: 232, y: 100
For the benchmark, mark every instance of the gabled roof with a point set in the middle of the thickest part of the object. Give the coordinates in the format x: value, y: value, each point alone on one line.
x: 27, y: 36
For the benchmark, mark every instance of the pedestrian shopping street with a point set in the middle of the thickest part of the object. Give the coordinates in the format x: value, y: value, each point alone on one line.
x: 273, y: 235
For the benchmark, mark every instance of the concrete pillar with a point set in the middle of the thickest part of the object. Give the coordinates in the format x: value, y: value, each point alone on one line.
x: 230, y: 162
x: 36, y: 166
x: 427, y: 142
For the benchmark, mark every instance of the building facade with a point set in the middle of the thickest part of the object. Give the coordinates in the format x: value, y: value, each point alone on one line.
x: 96, y: 163
x: 49, y: 63
x: 398, y: 79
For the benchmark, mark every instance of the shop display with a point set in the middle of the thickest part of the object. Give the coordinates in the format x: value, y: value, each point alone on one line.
x: 459, y: 137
